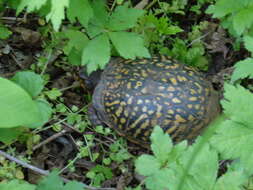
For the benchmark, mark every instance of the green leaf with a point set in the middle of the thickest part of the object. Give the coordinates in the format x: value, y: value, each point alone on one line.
x: 172, y: 30
x: 196, y: 169
x: 159, y: 180
x: 16, y: 185
x: 238, y: 104
x: 176, y: 175
x: 238, y: 136
x: 57, y: 13
x: 106, y: 171
x: 74, y: 47
x: 243, y: 20
x: 243, y: 69
x: 81, y: 10
x: 31, y: 5
x: 99, y: 22
x: 100, y: 12
x: 4, y: 32
x: 203, y: 164
x: 73, y: 185
x: 124, y: 18
x: 77, y: 40
x: 177, y: 151
x: 95, y: 30
x: 45, y: 113
x: 161, y: 145
x: 30, y: 81
x: 53, y: 94
x: 248, y: 43
x: 223, y: 8
x: 75, y: 57
x: 129, y: 45
x: 16, y: 106
x: 96, y: 53
x: 147, y: 165
x: 231, y: 181
x: 51, y: 182
x: 244, y: 164
x: 156, y: 168
x: 8, y: 136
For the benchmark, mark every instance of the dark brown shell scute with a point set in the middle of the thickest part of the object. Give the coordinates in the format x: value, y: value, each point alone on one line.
x: 134, y: 96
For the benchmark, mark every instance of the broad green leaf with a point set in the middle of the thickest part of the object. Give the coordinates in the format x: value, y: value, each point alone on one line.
x: 243, y: 69
x: 248, y: 43
x: 201, y: 162
x: 231, y: 181
x: 96, y: 53
x: 45, y: 113
x: 30, y: 81
x: 238, y: 104
x: 147, y: 165
x: 74, y: 47
x: 51, y: 182
x: 159, y: 181
x: 81, y: 10
x: 4, y: 32
x: 236, y: 135
x: 243, y: 20
x: 244, y: 164
x: 196, y: 168
x: 94, y: 30
x: 177, y: 175
x: 124, y: 18
x: 31, y: 5
x: 100, y: 13
x: 16, y: 106
x: 157, y: 168
x: 8, y: 136
x: 161, y: 145
x: 247, y: 162
x: 77, y: 40
x: 177, y: 151
x: 73, y: 185
x: 16, y: 185
x: 13, y: 3
x: 75, y: 57
x: 99, y: 21
x: 57, y: 13
x: 129, y: 45
x: 223, y: 8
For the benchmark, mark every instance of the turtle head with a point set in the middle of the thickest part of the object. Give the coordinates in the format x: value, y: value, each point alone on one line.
x: 90, y: 80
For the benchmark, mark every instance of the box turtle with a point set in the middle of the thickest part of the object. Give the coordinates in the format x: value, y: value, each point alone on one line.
x: 134, y: 96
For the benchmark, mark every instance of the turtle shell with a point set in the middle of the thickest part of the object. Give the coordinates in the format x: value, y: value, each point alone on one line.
x: 134, y: 96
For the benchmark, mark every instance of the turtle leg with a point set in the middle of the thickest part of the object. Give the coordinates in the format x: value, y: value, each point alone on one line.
x: 93, y: 117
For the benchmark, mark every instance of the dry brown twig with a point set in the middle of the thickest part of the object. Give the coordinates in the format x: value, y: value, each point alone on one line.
x: 51, y: 138
x: 45, y: 172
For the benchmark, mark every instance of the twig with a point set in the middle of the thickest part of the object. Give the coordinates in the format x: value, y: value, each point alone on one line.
x: 151, y: 4
x: 51, y: 57
x: 12, y: 18
x: 198, y: 39
x: 15, y: 60
x: 37, y: 130
x: 56, y: 135
x: 70, y: 127
x: 141, y: 4
x: 45, y: 172
x: 24, y: 164
x: 74, y: 85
